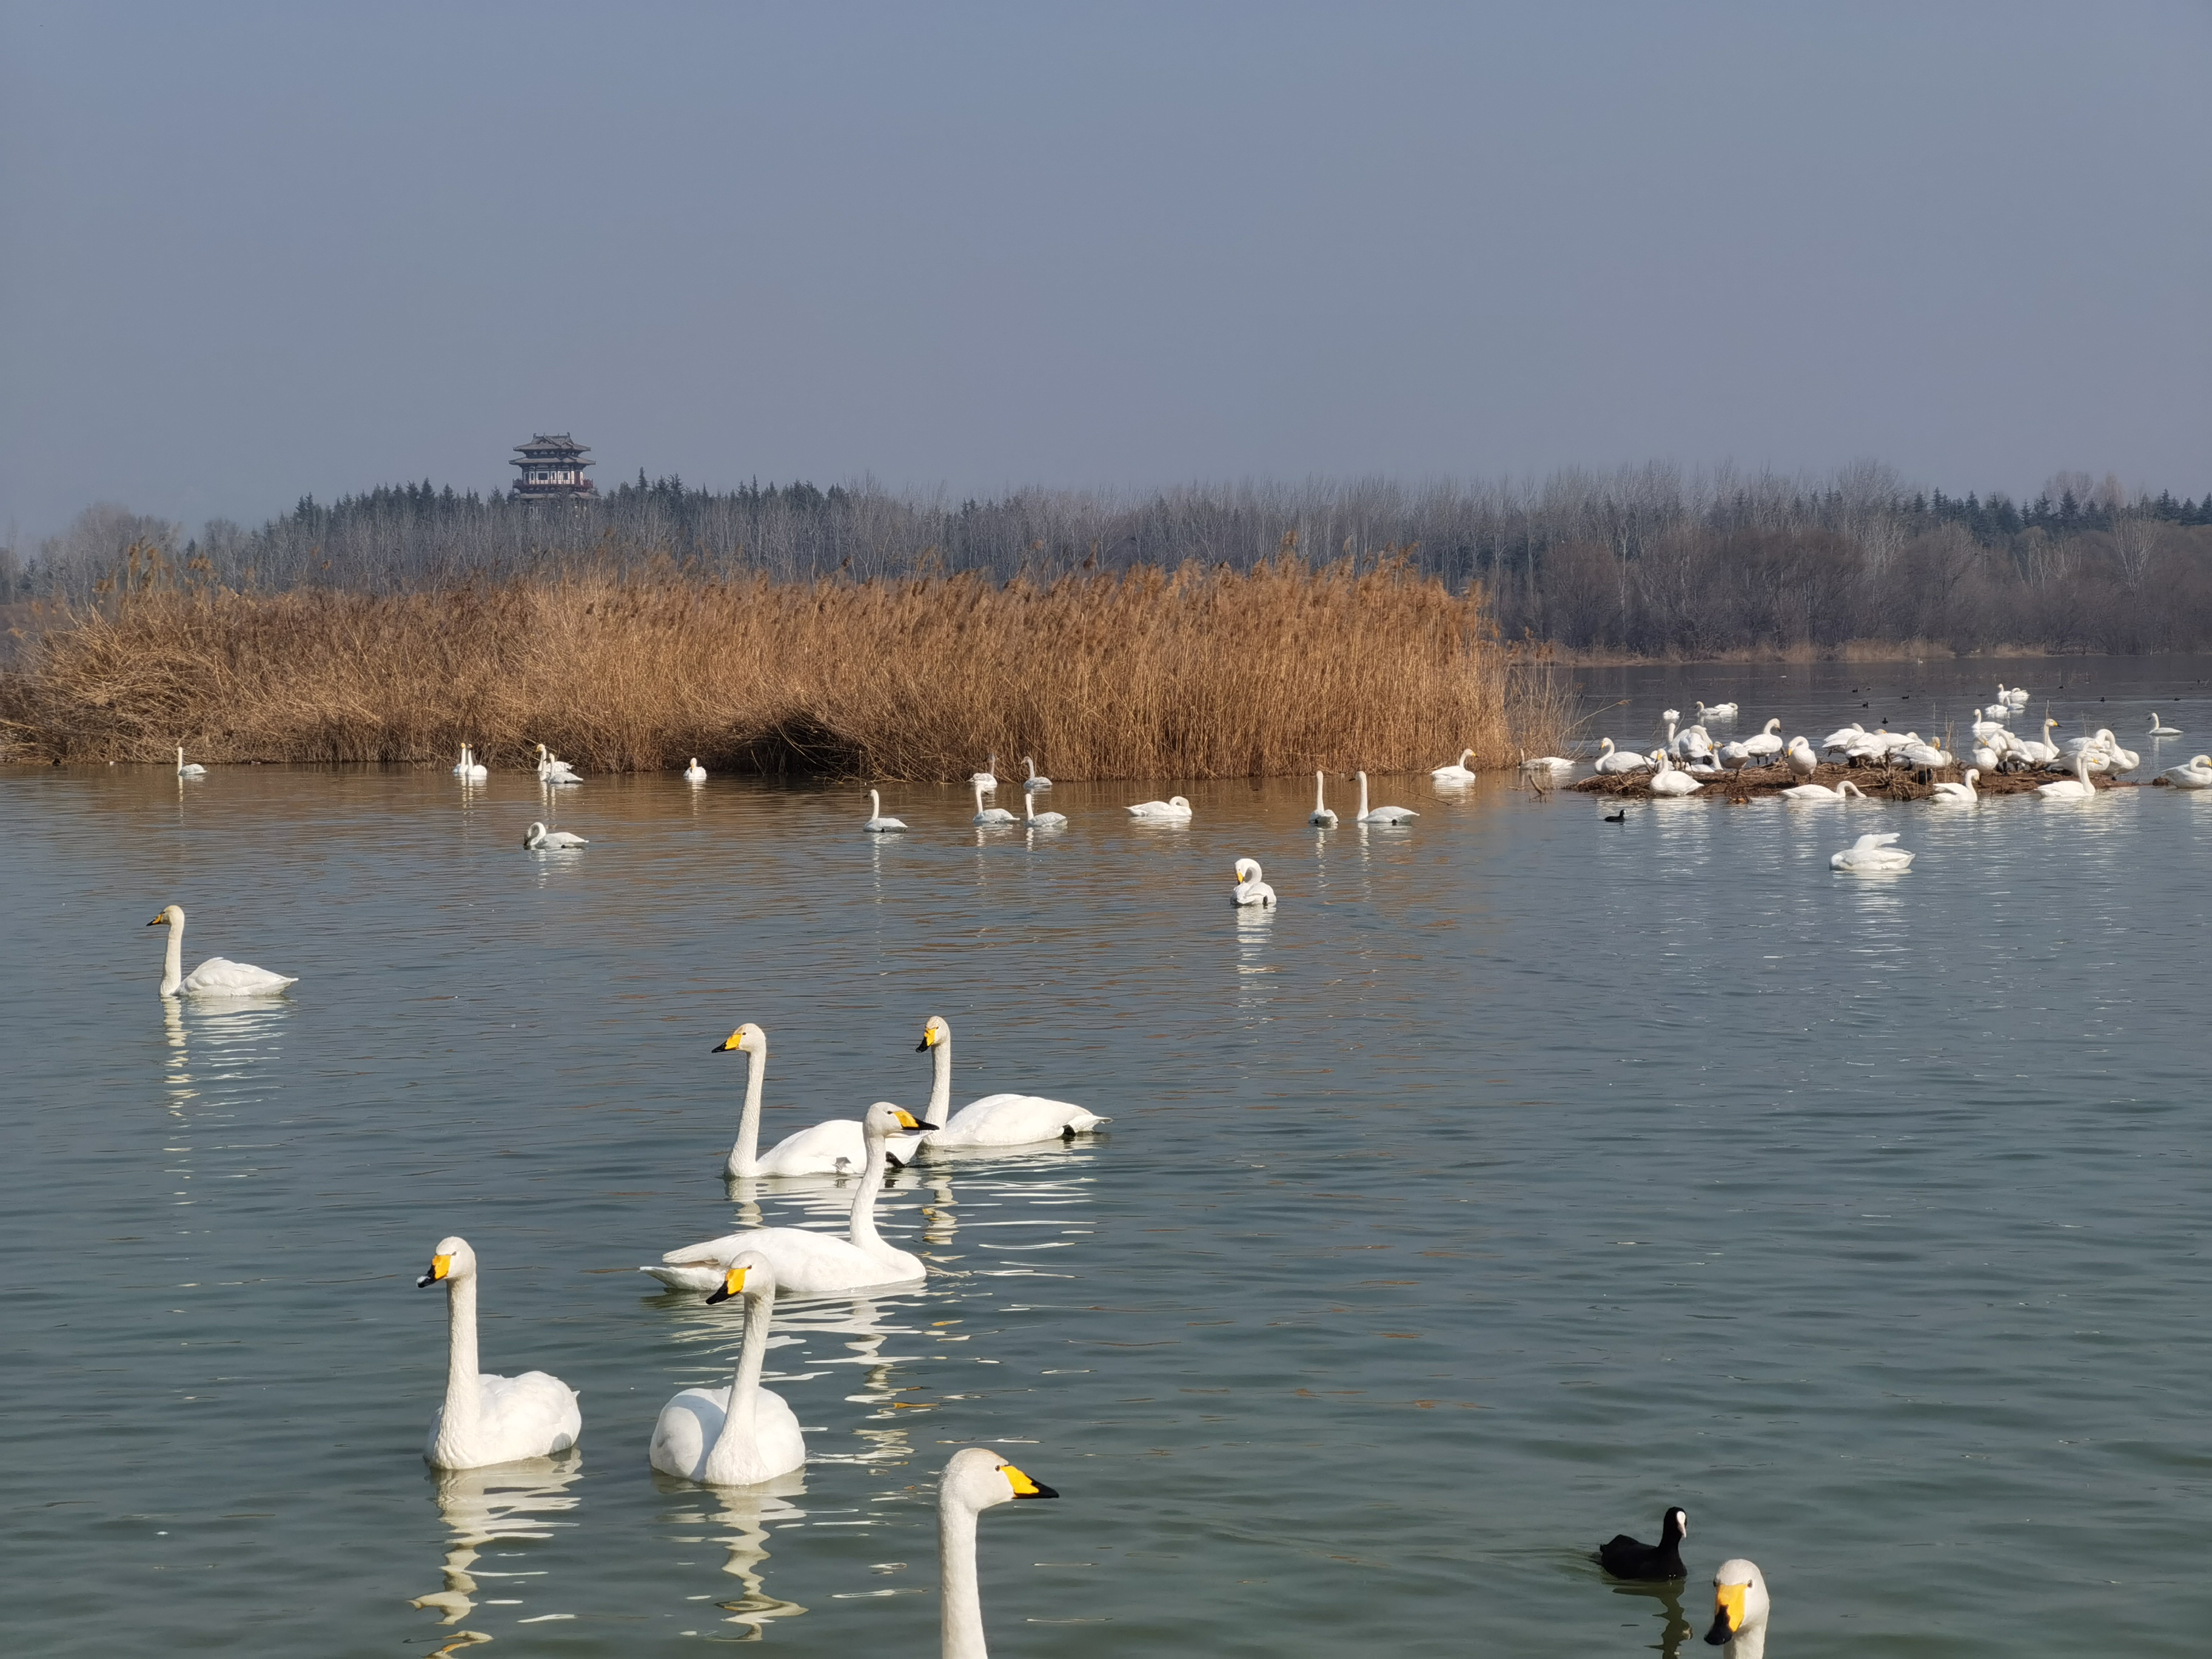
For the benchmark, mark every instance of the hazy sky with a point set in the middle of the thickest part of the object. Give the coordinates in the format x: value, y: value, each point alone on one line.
x: 251, y: 251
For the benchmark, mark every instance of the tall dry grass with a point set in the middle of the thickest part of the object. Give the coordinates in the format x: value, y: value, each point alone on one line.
x: 1196, y: 673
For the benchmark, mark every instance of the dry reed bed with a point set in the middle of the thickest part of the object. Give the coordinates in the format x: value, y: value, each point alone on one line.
x: 1877, y: 782
x: 1197, y: 673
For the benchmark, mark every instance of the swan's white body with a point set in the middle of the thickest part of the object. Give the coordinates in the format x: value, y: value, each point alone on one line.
x: 1958, y: 794
x: 1457, y: 772
x: 2158, y: 728
x: 1001, y: 1120
x: 1610, y: 759
x: 1719, y: 711
x: 2035, y: 751
x: 1321, y: 816
x: 1840, y: 740
x: 1035, y: 779
x: 1816, y: 791
x: 1250, y: 889
x: 1985, y: 730
x: 695, y: 772
x: 484, y: 1419
x: 1739, y: 1610
x: 807, y: 1262
x: 193, y: 770
x: 218, y: 976
x: 2077, y: 788
x: 471, y: 769
x: 539, y: 839
x: 989, y: 814
x: 1763, y: 745
x: 1667, y: 781
x: 2016, y: 698
x: 553, y: 770
x: 878, y: 825
x: 1803, y: 761
x: 2197, y: 775
x: 1872, y: 854
x: 976, y: 1478
x: 1917, y: 753
x: 1381, y: 814
x: 838, y: 1146
x: 1548, y: 763
x: 986, y: 781
x: 743, y: 1434
x: 1174, y: 809
x: 1033, y: 819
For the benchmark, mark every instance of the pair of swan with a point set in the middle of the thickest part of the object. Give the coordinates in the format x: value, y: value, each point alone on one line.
x: 988, y: 814
x: 1872, y: 854
x: 1250, y: 889
x: 1813, y: 792
x: 538, y: 839
x: 470, y: 768
x: 838, y: 1146
x: 1173, y: 810
x: 878, y: 825
x: 1719, y: 711
x: 2077, y: 788
x: 192, y: 769
x: 2197, y: 775
x: 217, y: 977
x: 551, y: 768
x: 1458, y: 772
x: 2016, y: 699
x: 1761, y: 748
x: 487, y: 1419
x: 695, y: 772
x: 1958, y: 794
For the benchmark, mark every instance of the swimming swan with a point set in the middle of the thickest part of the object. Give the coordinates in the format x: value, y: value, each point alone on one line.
x: 878, y: 825
x: 988, y: 779
x: 1000, y: 1120
x: 1555, y: 763
x: 1623, y: 760
x: 553, y: 770
x: 1174, y: 809
x: 1626, y: 1558
x: 989, y: 814
x: 837, y: 1147
x: 471, y: 769
x: 485, y: 1419
x: 1958, y: 794
x: 1872, y: 854
x: 194, y: 770
x: 217, y: 977
x: 807, y: 1262
x: 695, y: 772
x: 1812, y: 791
x: 1321, y: 816
x: 1035, y: 779
x: 1457, y: 772
x: 743, y: 1434
x: 1381, y: 814
x: 1250, y: 889
x: 1719, y: 711
x: 2016, y: 698
x: 1740, y: 1609
x: 2158, y: 728
x: 1033, y: 819
x: 539, y: 839
x: 2197, y: 775
x: 976, y: 1478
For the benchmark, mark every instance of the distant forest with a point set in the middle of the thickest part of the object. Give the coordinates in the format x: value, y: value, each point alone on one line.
x: 1643, y: 562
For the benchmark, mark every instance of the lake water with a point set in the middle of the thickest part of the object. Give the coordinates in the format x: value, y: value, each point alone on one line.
x: 1523, y: 1173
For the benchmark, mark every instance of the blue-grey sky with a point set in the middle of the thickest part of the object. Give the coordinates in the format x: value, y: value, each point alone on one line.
x: 248, y: 251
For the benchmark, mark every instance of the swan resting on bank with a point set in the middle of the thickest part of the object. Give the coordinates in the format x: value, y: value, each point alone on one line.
x: 1175, y: 808
x: 1872, y: 854
x: 837, y: 1147
x: 976, y: 1478
x: 743, y: 1434
x: 218, y: 976
x: 1250, y: 890
x: 1610, y: 759
x: 539, y: 839
x: 878, y: 825
x: 2197, y: 775
x: 1739, y: 1610
x: 489, y: 1420
x: 1000, y: 1120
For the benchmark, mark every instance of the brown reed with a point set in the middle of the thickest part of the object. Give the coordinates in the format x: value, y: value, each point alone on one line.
x: 1195, y: 673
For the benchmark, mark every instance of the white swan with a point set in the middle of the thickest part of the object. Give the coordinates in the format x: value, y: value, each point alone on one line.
x: 551, y: 768
x: 1610, y: 759
x: 1552, y: 764
x: 461, y: 766
x: 2197, y: 775
x: 1719, y: 711
x: 2016, y: 698
x: 1958, y: 794
x: 217, y: 977
x: 1381, y: 814
x: 2158, y: 728
x: 989, y: 814
x: 837, y: 1147
x: 471, y: 769
x: 1174, y: 809
x: 695, y: 772
x: 1250, y: 890
x: 1803, y: 762
x: 1035, y: 779
x: 743, y: 1434
x: 2038, y: 751
x: 2077, y: 788
x: 988, y: 779
x: 1667, y: 781
x: 1763, y: 744
x: 485, y: 1419
x: 1840, y: 740
x: 1033, y: 819
x: 1917, y: 753
x: 1872, y: 854
x: 1320, y: 816
x: 976, y: 1478
x: 878, y: 825
x: 1997, y: 711
x: 1815, y: 792
x: 1000, y: 1120
x: 1740, y: 1609
x: 1457, y: 772
x: 192, y: 770
x: 807, y: 1262
x: 538, y: 839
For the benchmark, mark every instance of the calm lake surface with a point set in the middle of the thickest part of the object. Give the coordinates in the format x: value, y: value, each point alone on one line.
x: 1523, y: 1173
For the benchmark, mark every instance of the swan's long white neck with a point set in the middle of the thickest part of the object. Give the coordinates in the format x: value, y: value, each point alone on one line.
x: 940, y: 1086
x: 1320, y: 804
x: 463, y: 1393
x: 1363, y: 794
x: 173, y: 969
x: 862, y: 1228
x: 960, y: 1609
x: 1750, y: 1642
x: 740, y: 1421
x: 745, y: 1156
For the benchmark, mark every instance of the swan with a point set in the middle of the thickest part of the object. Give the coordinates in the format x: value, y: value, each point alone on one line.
x: 1035, y: 779
x: 1381, y: 814
x: 2038, y: 753
x: 551, y: 768
x: 695, y: 772
x: 1917, y: 753
x: 1000, y: 1120
x: 743, y: 1434
x: 1034, y: 819
x: 1987, y: 756
x: 1842, y: 738
x: 1765, y: 743
x: 988, y: 779
x: 807, y: 1262
x: 1668, y: 781
x: 1250, y: 890
x: 1610, y: 759
x: 2016, y: 698
x: 1719, y: 711
x: 1958, y: 794
x: 1553, y: 763
x: 1803, y: 762
x: 1175, y: 808
x: 1997, y: 711
x: 976, y: 1478
x: 217, y: 977
x: 471, y: 769
x: 2197, y: 775
x: 539, y: 839
x: 1740, y: 1608
x: 1457, y: 772
x: 485, y: 1419
x: 878, y: 825
x: 1673, y: 746
x: 1321, y: 814
x: 1872, y: 854
x: 1843, y: 791
x: 1626, y: 1558
x: 1983, y: 731
x: 989, y: 814
x: 461, y: 766
x: 835, y: 1147
x: 2158, y: 728
x: 192, y: 769
x: 2077, y: 788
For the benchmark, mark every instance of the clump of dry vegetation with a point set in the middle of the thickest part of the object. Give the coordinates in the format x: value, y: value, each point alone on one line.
x: 1195, y: 673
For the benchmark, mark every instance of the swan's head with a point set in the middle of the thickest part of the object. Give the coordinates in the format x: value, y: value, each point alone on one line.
x: 453, y: 1259
x: 748, y: 1275
x: 1178, y: 801
x: 747, y: 1039
x: 1973, y: 773
x: 535, y: 834
x: 1739, y: 1601
x: 1671, y: 715
x: 935, y: 1033
x: 1247, y: 870
x: 976, y: 1478
x: 171, y: 916
x: 884, y: 1120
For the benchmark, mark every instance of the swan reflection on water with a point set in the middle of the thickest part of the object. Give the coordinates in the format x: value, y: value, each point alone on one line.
x: 505, y: 1503
x: 739, y: 1519
x: 235, y: 1040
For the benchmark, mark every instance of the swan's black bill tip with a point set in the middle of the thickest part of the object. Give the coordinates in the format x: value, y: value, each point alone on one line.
x: 426, y: 1281
x: 921, y: 1047
x: 1720, y: 1635
x: 1038, y: 1489
x: 719, y: 1293
x: 928, y: 1126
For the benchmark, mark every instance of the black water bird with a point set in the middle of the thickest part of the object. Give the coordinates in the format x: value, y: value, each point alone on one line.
x: 1625, y: 1558
x: 1621, y: 817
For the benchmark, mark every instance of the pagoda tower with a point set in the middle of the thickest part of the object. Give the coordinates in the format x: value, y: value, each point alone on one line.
x: 552, y: 469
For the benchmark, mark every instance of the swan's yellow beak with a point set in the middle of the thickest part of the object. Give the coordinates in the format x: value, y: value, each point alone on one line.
x: 734, y: 1284
x: 928, y: 1039
x: 1023, y: 1485
x: 908, y: 1120
x: 735, y: 1041
x: 441, y: 1266
x: 162, y: 920
x: 1728, y: 1612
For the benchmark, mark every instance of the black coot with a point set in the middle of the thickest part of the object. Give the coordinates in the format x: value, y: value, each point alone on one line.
x: 1625, y: 1558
